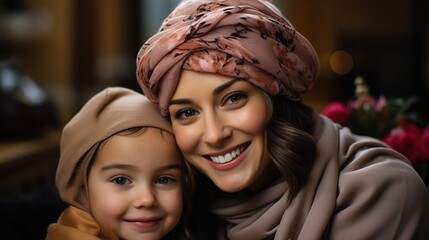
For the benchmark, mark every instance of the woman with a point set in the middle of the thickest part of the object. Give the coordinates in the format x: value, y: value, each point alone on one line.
x: 230, y: 75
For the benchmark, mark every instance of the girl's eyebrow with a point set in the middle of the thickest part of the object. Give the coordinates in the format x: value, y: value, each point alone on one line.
x: 130, y: 167
x: 171, y: 166
x: 117, y: 166
x: 216, y: 91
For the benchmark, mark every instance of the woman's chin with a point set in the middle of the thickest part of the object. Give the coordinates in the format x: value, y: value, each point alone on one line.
x: 231, y: 185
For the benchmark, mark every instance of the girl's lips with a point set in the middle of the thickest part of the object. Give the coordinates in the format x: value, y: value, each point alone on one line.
x: 144, y: 223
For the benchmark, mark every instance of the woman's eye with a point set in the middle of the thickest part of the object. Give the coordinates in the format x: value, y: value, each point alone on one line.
x: 185, y: 114
x: 234, y: 98
x: 165, y: 180
x: 121, y: 180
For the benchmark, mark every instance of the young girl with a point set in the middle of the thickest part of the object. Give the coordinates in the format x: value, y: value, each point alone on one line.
x: 120, y: 166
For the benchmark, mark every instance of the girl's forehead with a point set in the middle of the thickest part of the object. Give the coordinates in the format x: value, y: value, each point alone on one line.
x: 150, y: 149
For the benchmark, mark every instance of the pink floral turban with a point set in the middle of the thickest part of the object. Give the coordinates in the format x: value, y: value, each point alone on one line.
x: 247, y: 39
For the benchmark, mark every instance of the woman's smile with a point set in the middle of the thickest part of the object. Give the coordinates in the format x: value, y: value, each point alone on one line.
x: 228, y: 156
x: 229, y: 160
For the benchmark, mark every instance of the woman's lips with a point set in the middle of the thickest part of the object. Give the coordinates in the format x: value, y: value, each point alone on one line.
x: 229, y: 158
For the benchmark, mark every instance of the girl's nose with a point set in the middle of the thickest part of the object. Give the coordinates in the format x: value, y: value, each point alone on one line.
x: 145, y: 198
x: 216, y: 130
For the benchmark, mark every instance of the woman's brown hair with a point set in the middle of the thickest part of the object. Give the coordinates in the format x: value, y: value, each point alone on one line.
x: 290, y: 141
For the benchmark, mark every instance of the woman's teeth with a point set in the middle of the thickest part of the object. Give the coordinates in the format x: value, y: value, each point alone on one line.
x: 227, y: 157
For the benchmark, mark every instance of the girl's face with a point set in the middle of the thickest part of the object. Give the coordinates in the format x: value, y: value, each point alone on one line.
x: 135, y: 185
x: 219, y: 124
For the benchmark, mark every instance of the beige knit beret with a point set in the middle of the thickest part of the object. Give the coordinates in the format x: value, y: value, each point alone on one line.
x: 107, y: 113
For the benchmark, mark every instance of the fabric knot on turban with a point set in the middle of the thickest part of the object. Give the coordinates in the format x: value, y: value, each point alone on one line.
x: 247, y: 39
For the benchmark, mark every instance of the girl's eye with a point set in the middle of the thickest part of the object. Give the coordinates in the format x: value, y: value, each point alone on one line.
x: 165, y: 180
x: 185, y: 114
x: 121, y: 180
x: 234, y: 98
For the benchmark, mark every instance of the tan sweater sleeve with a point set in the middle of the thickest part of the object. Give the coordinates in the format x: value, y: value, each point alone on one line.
x: 77, y: 224
x: 380, y: 196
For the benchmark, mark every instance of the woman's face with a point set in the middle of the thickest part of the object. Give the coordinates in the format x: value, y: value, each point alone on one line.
x: 219, y: 124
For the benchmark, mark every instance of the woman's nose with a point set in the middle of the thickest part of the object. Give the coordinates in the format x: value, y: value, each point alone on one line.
x: 145, y: 198
x: 216, y: 130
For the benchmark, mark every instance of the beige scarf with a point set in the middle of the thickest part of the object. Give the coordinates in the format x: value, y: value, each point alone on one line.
x: 76, y: 224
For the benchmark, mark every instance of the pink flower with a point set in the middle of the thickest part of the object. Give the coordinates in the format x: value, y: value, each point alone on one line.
x: 406, y: 140
x: 424, y: 151
x: 337, y: 112
x: 381, y: 104
x: 365, y: 103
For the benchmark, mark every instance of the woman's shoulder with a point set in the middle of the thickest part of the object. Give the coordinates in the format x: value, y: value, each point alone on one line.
x: 378, y: 190
x: 367, y: 165
x: 374, y: 162
x: 355, y: 151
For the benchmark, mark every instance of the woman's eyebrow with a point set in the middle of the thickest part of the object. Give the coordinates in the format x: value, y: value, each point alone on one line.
x: 226, y: 85
x: 180, y: 101
x: 217, y: 90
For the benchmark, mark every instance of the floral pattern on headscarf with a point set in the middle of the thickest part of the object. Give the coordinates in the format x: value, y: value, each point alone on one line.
x: 247, y: 39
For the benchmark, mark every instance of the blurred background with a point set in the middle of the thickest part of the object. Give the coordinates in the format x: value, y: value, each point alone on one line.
x: 55, y: 54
